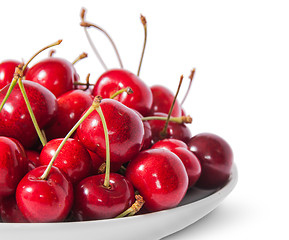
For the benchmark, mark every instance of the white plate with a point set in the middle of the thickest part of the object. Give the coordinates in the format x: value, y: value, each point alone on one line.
x: 196, y: 204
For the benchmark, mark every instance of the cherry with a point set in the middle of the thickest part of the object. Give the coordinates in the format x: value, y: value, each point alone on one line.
x: 71, y: 105
x: 162, y: 101
x: 44, y: 200
x: 216, y: 158
x: 13, y: 165
x: 33, y: 159
x: 9, y: 211
x: 125, y: 130
x: 73, y: 159
x: 56, y: 74
x: 95, y: 201
x: 174, y: 130
x: 7, y: 69
x: 189, y: 159
x: 43, y: 104
x: 160, y: 177
x: 113, y: 80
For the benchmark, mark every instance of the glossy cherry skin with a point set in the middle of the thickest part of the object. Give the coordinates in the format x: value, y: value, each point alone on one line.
x: 162, y: 101
x: 56, y: 74
x: 47, y: 200
x: 160, y: 177
x: 174, y: 130
x: 125, y: 130
x: 13, y: 165
x: 73, y: 159
x: 15, y: 120
x: 7, y: 69
x: 190, y: 161
x: 94, y: 201
x: 71, y: 105
x: 9, y: 211
x: 216, y: 158
x: 113, y: 80
x: 33, y: 159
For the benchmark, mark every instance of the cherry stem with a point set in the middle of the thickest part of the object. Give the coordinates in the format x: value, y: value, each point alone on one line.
x: 72, y: 130
x: 144, y: 23
x: 81, y: 56
x: 107, y: 162
x: 137, y: 205
x: 51, y: 53
x: 19, y: 70
x: 191, y: 77
x: 128, y: 90
x: 87, y: 24
x: 180, y: 120
x: 163, y: 133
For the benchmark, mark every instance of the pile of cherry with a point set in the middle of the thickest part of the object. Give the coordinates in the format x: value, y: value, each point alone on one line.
x: 69, y: 153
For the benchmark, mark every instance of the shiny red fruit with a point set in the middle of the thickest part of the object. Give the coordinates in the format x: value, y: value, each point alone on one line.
x: 95, y: 201
x: 47, y: 200
x: 113, y: 80
x: 216, y: 158
x: 160, y: 177
x: 56, y: 74
x: 125, y: 130
x: 15, y: 120
x: 7, y: 69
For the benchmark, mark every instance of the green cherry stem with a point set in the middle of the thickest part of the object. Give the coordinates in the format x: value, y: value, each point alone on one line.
x: 81, y: 56
x: 180, y: 120
x: 85, y: 115
x: 137, y: 205
x: 28, y: 105
x: 163, y: 133
x: 191, y: 77
x: 128, y: 90
x: 144, y: 23
x: 107, y: 163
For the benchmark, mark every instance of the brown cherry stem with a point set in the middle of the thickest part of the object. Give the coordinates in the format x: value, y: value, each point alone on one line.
x: 191, y: 77
x: 144, y: 23
x: 180, y: 120
x: 87, y: 84
x: 93, y: 107
x: 81, y: 56
x: 163, y: 133
x: 134, y: 208
x: 128, y: 90
x: 51, y: 53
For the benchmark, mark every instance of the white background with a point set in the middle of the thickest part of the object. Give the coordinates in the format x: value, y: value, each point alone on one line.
x: 240, y: 50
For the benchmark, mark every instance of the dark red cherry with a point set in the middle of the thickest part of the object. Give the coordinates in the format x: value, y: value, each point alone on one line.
x: 160, y: 177
x: 7, y: 69
x: 33, y: 159
x: 162, y: 101
x: 71, y: 105
x: 9, y: 211
x: 15, y: 120
x: 56, y: 74
x: 95, y: 201
x: 48, y: 200
x: 114, y: 80
x: 125, y: 130
x: 73, y: 159
x: 216, y: 158
x: 174, y: 130
x: 13, y: 165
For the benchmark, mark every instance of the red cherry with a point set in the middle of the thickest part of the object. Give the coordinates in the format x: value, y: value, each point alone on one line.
x: 114, y: 80
x: 71, y: 105
x: 56, y: 74
x: 73, y: 159
x: 13, y: 165
x: 125, y: 130
x: 170, y: 144
x: 48, y: 200
x: 15, y: 120
x: 160, y: 177
x: 7, y: 69
x: 33, y: 159
x: 162, y: 101
x: 216, y: 158
x: 95, y: 201
x: 174, y: 130
x: 9, y: 211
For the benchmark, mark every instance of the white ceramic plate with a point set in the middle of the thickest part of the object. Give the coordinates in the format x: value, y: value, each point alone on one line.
x: 196, y: 204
